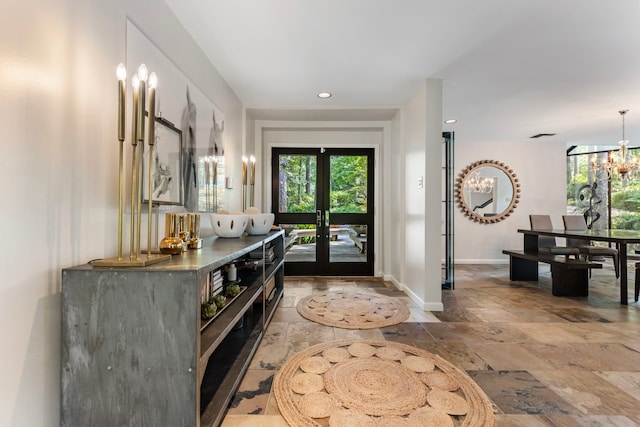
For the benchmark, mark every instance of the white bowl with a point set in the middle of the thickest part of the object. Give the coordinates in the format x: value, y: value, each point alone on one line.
x: 231, y: 225
x: 260, y: 223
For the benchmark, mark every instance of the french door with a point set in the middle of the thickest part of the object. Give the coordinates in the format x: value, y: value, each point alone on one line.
x: 323, y: 199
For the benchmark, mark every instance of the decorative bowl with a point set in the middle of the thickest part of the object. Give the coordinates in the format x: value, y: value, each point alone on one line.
x: 260, y: 223
x: 228, y: 225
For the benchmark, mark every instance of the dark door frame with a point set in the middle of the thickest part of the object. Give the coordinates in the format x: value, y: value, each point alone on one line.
x: 323, y: 266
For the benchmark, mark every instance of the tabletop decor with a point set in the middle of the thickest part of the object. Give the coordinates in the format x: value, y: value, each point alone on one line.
x: 138, y: 118
x: 244, y: 182
x: 353, y: 310
x: 378, y: 383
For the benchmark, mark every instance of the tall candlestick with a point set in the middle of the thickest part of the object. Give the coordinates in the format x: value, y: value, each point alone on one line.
x: 138, y: 126
x: 207, y: 181
x: 121, y: 72
x: 244, y: 183
x: 151, y: 134
x: 244, y: 170
x: 135, y: 84
x: 215, y: 171
x: 142, y: 93
x: 215, y: 183
x: 253, y: 170
x: 153, y: 84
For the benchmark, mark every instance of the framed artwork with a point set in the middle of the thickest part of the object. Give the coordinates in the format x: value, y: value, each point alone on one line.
x: 167, y: 185
x: 185, y: 106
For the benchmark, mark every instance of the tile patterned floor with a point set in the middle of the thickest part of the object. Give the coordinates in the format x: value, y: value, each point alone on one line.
x: 543, y: 360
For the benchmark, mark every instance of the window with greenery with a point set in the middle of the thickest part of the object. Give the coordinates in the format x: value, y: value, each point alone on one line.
x: 297, y: 183
x: 348, y: 184
x: 590, y: 193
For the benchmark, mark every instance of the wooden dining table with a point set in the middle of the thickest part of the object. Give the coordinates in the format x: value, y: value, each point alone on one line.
x: 621, y: 238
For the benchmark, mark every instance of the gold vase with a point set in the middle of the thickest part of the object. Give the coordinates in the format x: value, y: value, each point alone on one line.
x: 172, y: 243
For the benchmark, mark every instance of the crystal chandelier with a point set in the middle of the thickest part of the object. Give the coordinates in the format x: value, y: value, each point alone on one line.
x: 479, y: 184
x: 619, y: 164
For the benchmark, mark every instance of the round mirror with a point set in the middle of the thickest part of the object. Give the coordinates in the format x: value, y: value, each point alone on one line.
x: 487, y: 191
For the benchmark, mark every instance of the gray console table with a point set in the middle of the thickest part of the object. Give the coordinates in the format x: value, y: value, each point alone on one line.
x: 135, y: 351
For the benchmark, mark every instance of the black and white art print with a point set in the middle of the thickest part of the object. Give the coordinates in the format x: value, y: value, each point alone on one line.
x: 182, y: 105
x: 166, y: 181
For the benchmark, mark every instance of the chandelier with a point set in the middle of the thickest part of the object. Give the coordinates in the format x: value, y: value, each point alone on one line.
x: 619, y: 164
x: 479, y: 184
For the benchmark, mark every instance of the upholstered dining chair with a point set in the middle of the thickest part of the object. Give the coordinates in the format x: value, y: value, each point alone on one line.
x: 547, y: 244
x: 586, y: 248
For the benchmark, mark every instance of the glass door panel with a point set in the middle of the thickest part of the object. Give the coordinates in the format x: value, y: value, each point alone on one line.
x: 300, y: 242
x: 348, y: 243
x: 322, y: 201
x: 297, y: 180
x: 348, y: 194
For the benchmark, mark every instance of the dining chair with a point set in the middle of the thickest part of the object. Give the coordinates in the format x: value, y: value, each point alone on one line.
x: 585, y: 246
x: 547, y: 244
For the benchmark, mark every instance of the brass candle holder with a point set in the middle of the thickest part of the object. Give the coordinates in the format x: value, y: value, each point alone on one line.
x: 172, y: 243
x: 136, y: 258
x: 252, y: 181
x: 244, y: 183
x: 193, y: 221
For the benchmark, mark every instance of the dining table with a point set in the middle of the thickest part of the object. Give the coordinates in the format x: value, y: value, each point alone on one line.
x: 621, y: 238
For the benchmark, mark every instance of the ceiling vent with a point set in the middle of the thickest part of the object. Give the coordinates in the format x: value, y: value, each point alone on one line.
x: 540, y: 135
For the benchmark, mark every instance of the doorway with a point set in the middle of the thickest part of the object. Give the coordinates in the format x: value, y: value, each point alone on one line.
x: 323, y: 199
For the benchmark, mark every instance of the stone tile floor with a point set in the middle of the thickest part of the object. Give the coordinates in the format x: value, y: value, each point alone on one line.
x: 542, y: 360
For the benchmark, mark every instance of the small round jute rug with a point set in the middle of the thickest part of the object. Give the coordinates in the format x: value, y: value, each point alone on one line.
x: 369, y: 383
x: 353, y: 310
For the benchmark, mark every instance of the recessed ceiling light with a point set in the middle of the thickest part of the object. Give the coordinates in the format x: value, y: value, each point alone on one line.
x: 450, y: 121
x: 324, y: 95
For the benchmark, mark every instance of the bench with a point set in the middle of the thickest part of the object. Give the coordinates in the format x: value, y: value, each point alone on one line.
x: 359, y: 239
x: 569, y: 277
x: 298, y: 233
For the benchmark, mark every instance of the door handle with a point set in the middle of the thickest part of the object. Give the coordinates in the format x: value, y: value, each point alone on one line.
x: 318, y: 222
x: 327, y: 222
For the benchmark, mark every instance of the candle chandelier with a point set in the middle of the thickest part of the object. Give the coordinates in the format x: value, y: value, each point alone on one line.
x: 619, y: 162
x: 479, y: 184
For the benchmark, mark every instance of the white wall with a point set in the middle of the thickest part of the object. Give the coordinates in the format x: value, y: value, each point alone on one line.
x: 396, y: 198
x: 422, y: 138
x: 58, y: 102
x: 540, y: 167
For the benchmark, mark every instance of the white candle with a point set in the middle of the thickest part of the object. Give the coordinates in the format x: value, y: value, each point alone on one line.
x: 153, y: 83
x: 253, y: 170
x: 244, y: 170
x: 142, y: 93
x: 121, y: 72
x: 135, y: 84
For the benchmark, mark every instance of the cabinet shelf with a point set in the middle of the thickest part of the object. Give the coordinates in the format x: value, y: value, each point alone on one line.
x: 113, y: 316
x: 226, y: 368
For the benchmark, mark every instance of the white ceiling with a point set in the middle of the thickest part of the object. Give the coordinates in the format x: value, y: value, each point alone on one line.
x: 510, y: 68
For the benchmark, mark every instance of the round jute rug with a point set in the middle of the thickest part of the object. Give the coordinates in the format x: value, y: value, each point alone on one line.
x: 353, y: 310
x: 369, y: 383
